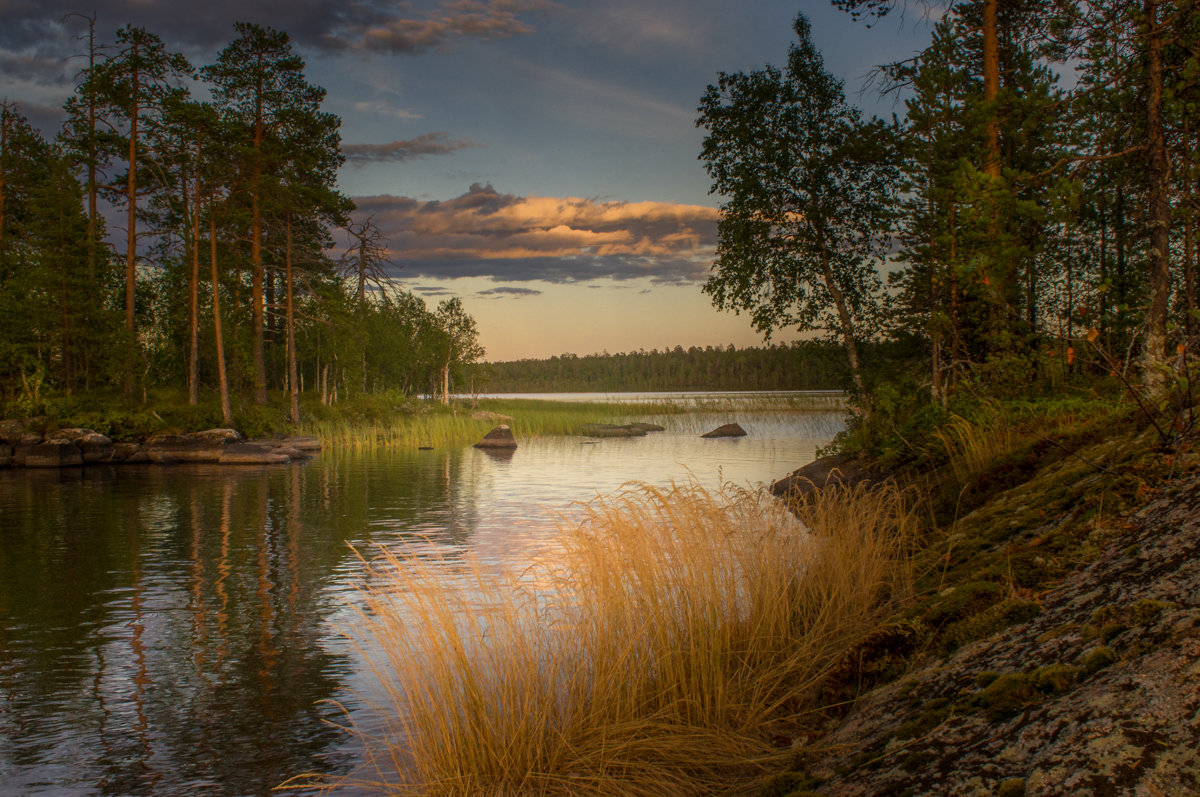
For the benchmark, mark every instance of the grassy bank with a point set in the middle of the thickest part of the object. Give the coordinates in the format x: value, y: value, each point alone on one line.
x: 664, y: 648
x: 365, y: 421
x: 360, y: 424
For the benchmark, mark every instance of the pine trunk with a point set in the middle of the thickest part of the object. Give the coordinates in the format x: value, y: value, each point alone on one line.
x: 1159, y: 277
x: 293, y: 382
x: 222, y: 378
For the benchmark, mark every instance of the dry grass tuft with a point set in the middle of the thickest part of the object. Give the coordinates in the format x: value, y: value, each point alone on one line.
x: 972, y: 448
x: 667, y: 646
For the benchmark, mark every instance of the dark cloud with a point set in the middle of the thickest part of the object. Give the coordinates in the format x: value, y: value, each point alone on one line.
x: 509, y: 291
x: 484, y: 233
x: 382, y: 30
x: 426, y: 144
x: 340, y: 25
x: 432, y: 290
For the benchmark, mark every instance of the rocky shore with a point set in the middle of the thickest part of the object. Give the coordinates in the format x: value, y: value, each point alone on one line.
x: 1053, y: 647
x: 1098, y: 693
x: 24, y: 444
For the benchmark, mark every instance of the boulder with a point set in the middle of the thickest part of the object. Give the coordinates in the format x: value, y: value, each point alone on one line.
x: 96, y: 447
x: 6, y: 455
x: 839, y: 470
x: 129, y: 452
x: 728, y: 430
x: 611, y: 430
x: 93, y: 446
x: 171, y: 448
x: 251, y: 454
x: 218, y: 435
x: 14, y: 432
x: 70, y: 434
x: 303, y: 445
x: 58, y: 453
x: 647, y: 427
x: 500, y: 437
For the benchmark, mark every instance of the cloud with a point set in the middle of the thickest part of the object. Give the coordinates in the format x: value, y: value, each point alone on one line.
x: 484, y: 233
x: 509, y: 291
x: 383, y: 31
x: 384, y: 109
x: 330, y: 25
x: 426, y: 144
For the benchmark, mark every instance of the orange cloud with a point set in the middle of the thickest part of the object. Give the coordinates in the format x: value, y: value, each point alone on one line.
x: 485, y: 233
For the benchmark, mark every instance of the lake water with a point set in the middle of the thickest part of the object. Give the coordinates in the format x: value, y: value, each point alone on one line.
x: 178, y: 629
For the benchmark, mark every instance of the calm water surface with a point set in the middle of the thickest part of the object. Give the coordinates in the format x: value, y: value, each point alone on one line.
x: 175, y: 630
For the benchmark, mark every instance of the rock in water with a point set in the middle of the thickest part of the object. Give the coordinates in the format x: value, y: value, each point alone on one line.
x: 500, y: 437
x: 728, y: 430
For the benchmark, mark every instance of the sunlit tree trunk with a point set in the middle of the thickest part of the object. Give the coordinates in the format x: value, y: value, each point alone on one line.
x: 222, y: 378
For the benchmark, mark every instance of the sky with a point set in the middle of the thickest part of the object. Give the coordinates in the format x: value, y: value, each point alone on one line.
x: 536, y: 158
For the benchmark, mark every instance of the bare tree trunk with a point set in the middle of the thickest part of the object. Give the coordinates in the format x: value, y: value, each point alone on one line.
x: 222, y: 378
x: 446, y: 382
x: 1154, y: 356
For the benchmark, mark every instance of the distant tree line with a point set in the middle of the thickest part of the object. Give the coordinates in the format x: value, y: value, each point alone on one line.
x: 806, y: 365
x: 1035, y: 225
x: 221, y: 279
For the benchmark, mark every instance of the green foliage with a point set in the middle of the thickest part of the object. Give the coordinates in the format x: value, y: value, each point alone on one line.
x: 804, y: 365
x: 809, y: 186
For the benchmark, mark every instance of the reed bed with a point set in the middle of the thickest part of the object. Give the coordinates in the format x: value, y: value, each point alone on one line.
x: 461, y: 425
x: 662, y: 646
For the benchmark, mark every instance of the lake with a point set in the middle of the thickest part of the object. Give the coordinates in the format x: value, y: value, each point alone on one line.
x: 179, y: 629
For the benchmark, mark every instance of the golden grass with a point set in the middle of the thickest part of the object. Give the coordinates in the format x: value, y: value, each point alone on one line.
x: 972, y: 448
x: 664, y: 645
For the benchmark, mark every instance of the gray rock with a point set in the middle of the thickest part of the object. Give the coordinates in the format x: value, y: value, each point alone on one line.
x: 93, y: 446
x: 251, y: 454
x: 839, y: 470
x: 167, y: 448
x: 218, y: 435
x: 500, y: 437
x: 611, y: 430
x: 14, y: 431
x: 304, y: 445
x: 53, y: 454
x: 728, y: 430
x: 131, y: 453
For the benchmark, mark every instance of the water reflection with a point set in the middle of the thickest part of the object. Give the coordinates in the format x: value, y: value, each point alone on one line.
x: 175, y: 630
